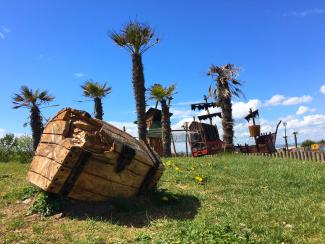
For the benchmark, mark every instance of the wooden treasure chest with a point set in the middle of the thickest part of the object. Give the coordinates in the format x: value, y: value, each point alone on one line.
x: 88, y: 159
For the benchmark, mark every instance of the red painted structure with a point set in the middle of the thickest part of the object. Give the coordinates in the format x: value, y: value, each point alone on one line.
x: 204, y: 139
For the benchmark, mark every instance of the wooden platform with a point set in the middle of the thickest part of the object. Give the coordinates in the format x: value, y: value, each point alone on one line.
x: 88, y: 159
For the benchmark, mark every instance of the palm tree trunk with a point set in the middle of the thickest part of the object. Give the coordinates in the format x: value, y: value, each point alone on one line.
x: 226, y: 110
x: 227, y: 124
x: 166, y: 130
x: 36, y: 125
x: 98, y: 108
x: 139, y: 93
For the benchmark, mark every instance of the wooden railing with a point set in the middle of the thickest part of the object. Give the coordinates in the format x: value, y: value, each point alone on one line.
x: 298, y: 155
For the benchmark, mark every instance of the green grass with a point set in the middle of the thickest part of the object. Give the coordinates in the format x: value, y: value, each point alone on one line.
x: 241, y: 199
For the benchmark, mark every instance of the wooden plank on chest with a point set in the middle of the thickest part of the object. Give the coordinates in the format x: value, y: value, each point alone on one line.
x: 102, y: 186
x: 107, y: 171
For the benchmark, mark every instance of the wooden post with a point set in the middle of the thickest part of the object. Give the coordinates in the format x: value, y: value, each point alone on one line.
x: 309, y: 156
x: 207, y: 109
x: 299, y: 155
x: 173, y: 144
x: 186, y: 138
x: 322, y: 159
x: 295, y: 136
x: 318, y: 156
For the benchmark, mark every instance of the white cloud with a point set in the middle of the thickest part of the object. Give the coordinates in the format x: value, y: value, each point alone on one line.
x: 5, y: 29
x: 305, y: 13
x: 2, y: 132
x: 303, y: 109
x: 130, y: 127
x: 79, y: 74
x: 287, y: 101
x: 241, y: 109
x: 297, y: 100
x: 275, y: 100
x: 182, y: 113
x: 180, y: 123
x: 322, y: 89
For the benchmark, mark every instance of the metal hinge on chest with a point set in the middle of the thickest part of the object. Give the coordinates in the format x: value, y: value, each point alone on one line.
x: 125, y: 158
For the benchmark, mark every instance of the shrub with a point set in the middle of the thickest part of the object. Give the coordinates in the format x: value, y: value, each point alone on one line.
x: 47, y: 204
x: 307, y: 143
x: 24, y: 149
x: 7, y: 147
x: 16, y: 148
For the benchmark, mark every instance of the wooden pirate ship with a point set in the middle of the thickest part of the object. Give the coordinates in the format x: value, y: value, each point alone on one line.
x: 204, y: 138
x: 264, y: 142
x: 88, y: 159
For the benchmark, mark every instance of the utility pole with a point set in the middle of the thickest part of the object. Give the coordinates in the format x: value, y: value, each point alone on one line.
x: 295, y: 136
x: 285, y: 136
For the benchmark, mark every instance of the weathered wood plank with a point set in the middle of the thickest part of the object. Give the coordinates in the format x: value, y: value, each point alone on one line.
x: 58, y: 127
x: 50, y: 169
x: 102, y: 186
x: 38, y: 180
x: 107, y: 171
x: 62, y: 155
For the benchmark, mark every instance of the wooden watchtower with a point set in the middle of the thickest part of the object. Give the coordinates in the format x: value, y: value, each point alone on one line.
x: 154, y: 129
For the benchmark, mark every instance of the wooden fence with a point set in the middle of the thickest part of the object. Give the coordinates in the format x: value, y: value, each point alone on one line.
x: 299, y: 155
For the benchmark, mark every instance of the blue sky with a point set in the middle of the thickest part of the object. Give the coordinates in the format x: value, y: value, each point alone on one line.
x: 57, y: 45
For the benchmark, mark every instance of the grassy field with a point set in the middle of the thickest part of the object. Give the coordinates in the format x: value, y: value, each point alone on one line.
x: 226, y: 199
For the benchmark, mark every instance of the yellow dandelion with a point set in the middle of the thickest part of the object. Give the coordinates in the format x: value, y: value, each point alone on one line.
x: 168, y: 163
x: 198, y: 179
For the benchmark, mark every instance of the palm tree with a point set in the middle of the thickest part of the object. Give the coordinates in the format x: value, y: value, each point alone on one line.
x: 164, y: 95
x: 137, y: 38
x: 27, y: 98
x: 227, y: 86
x: 96, y: 91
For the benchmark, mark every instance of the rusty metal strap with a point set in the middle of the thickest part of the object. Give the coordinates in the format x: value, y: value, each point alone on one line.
x: 75, y: 172
x: 125, y: 158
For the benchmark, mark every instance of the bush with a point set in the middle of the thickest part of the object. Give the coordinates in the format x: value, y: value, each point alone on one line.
x: 307, y: 143
x: 7, y: 147
x: 16, y: 148
x: 47, y: 204
x: 24, y: 149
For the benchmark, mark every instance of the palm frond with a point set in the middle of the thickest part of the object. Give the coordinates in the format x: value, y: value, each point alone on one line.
x: 95, y: 89
x: 226, y: 79
x: 28, y: 98
x: 135, y: 37
x: 158, y: 93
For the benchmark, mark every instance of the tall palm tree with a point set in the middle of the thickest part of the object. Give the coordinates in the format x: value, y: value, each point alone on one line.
x: 164, y: 95
x: 27, y: 98
x: 96, y: 91
x: 227, y: 86
x: 137, y: 38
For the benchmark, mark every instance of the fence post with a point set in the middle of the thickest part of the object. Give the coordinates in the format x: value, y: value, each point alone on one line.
x: 322, y: 159
x: 318, y: 156
x: 304, y: 155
